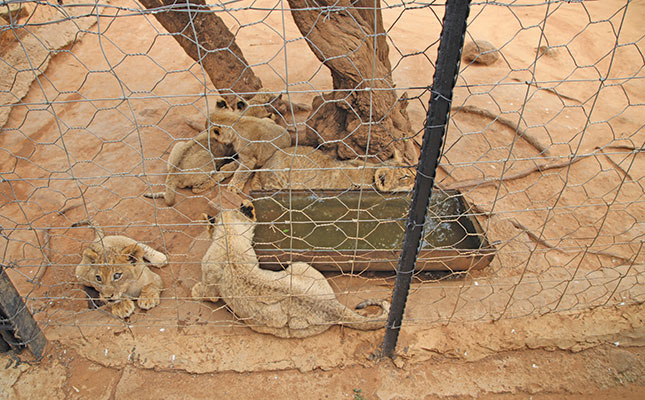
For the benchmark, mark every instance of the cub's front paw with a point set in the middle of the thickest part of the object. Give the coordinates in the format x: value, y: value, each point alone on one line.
x: 148, y: 300
x: 123, y: 308
x: 204, y: 292
x: 197, y: 291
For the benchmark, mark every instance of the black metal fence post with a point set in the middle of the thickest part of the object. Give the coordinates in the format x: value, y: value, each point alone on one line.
x: 447, y: 68
x: 18, y: 328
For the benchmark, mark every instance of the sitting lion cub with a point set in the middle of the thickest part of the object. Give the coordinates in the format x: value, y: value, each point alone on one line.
x: 296, y: 302
x: 304, y: 167
x: 117, y: 267
x: 254, y: 140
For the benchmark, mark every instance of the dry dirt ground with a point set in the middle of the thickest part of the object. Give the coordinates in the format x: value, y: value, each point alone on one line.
x: 567, y: 278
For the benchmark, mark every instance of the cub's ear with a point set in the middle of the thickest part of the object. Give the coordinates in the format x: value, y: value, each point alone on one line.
x: 210, y: 228
x: 208, y: 218
x: 90, y: 256
x: 248, y: 209
x: 381, y: 179
x: 396, y: 157
x: 133, y: 252
x: 221, y: 104
x: 404, y: 100
x: 215, y: 131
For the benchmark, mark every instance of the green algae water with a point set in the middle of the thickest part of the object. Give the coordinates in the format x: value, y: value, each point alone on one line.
x: 357, y: 220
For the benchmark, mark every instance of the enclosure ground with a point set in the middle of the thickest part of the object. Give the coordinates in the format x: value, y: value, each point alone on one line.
x: 598, y: 358
x: 589, y: 374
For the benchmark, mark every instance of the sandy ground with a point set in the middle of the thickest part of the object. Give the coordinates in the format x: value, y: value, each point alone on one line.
x: 567, y: 279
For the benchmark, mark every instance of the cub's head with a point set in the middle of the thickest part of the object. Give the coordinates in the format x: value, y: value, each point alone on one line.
x: 262, y: 105
x: 394, y: 179
x: 396, y: 176
x: 237, y: 219
x: 111, y: 271
x: 221, y: 122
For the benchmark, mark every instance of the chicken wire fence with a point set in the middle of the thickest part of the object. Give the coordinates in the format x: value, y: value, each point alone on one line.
x: 538, y: 204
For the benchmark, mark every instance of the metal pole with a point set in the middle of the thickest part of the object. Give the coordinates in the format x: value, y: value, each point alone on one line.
x: 17, y: 326
x: 447, y: 68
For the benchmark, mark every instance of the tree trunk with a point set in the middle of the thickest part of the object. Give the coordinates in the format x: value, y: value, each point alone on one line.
x: 217, y: 52
x: 362, y: 115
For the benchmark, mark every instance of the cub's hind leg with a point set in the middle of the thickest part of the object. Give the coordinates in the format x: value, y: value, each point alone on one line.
x: 227, y: 170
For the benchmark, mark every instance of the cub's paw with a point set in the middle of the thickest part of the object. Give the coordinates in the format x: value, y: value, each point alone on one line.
x: 202, y: 292
x: 123, y: 308
x: 148, y: 300
x: 197, y: 291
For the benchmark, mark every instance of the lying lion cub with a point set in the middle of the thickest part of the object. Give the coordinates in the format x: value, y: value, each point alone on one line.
x: 296, y: 302
x: 304, y: 167
x: 117, y: 267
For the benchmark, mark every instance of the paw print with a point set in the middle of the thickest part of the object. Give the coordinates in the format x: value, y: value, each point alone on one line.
x: 123, y: 308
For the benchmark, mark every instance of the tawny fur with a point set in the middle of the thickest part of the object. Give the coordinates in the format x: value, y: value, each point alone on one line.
x: 296, y: 302
x: 192, y: 163
x: 304, y: 167
x: 118, y: 268
x: 253, y: 139
x: 259, y: 106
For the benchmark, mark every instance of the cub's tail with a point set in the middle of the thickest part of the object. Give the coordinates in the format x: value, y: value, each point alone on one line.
x: 169, y: 194
x: 369, y: 322
x: 155, y: 195
x: 384, y: 304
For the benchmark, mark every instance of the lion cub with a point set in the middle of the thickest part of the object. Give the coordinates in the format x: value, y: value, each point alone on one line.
x: 304, y: 167
x: 296, y: 302
x: 192, y: 163
x: 254, y: 140
x: 260, y: 105
x: 117, y: 267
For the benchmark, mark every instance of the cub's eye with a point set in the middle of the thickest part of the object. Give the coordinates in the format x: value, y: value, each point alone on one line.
x: 117, y: 276
x: 241, y: 105
x: 98, y: 278
x: 221, y: 104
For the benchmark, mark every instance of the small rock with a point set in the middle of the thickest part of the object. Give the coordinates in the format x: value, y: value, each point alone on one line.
x: 547, y: 51
x: 398, y: 362
x: 481, y: 52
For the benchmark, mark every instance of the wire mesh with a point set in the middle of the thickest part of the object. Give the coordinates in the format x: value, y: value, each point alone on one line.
x: 542, y: 157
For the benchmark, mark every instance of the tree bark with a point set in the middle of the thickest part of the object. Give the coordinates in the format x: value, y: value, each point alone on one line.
x: 207, y: 40
x: 363, y: 115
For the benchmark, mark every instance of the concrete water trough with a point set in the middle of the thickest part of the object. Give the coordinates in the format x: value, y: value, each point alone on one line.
x: 358, y: 230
